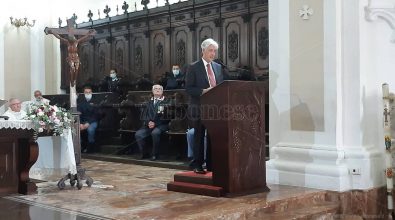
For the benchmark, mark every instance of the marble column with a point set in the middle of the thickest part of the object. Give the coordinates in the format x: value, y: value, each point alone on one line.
x: 325, y: 95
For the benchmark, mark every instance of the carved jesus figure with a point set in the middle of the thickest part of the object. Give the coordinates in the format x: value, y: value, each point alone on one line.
x: 69, y: 36
x: 72, y: 52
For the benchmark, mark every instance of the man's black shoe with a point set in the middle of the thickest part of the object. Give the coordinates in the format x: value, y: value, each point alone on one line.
x: 191, y: 164
x: 153, y: 158
x: 199, y: 170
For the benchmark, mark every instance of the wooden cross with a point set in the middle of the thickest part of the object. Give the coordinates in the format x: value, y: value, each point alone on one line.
x: 69, y: 30
x: 69, y: 36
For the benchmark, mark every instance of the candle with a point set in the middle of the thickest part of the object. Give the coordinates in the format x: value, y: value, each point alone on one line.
x: 386, y: 90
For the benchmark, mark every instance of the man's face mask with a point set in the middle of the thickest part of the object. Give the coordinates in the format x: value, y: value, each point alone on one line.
x: 88, y: 96
x: 176, y: 71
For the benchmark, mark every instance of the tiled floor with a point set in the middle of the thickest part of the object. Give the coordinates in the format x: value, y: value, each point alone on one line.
x: 127, y: 191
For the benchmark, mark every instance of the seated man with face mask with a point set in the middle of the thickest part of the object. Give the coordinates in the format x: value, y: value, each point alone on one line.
x: 111, y: 82
x: 175, y: 80
x: 89, y: 118
x: 15, y: 111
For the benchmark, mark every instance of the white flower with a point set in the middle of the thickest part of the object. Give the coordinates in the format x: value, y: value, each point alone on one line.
x: 47, y: 117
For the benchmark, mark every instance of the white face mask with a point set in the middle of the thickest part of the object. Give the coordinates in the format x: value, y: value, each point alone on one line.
x: 176, y: 72
x: 88, y: 97
x: 113, y: 75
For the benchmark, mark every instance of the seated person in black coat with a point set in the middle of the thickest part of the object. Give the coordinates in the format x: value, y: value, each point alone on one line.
x: 176, y: 79
x: 111, y: 82
x: 89, y: 118
x: 154, y: 122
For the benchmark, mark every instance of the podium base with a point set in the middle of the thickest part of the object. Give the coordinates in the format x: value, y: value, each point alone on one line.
x: 199, y: 184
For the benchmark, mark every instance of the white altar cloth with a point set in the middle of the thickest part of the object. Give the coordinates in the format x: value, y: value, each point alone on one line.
x: 55, y: 157
x: 56, y: 153
x: 16, y: 124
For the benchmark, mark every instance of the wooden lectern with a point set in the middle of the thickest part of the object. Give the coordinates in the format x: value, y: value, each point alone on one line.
x: 234, y: 115
x: 18, y: 153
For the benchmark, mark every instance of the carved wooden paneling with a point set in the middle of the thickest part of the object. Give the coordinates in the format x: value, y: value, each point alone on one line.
x: 235, y: 42
x: 149, y: 42
x: 84, y: 74
x: 137, y: 55
x: 102, y: 60
x: 158, y: 46
x: 180, y: 48
x: 121, y: 56
x: 260, y: 44
x: 207, y: 30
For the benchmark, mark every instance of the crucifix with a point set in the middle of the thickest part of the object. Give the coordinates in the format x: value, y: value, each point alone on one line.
x: 70, y: 36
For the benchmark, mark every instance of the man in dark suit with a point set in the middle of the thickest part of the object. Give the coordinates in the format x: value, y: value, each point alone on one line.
x: 175, y: 80
x: 202, y: 76
x: 154, y: 123
x: 89, y: 118
x: 111, y: 83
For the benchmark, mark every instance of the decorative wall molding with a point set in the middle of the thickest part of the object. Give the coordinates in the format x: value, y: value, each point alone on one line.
x: 306, y: 12
x: 386, y: 14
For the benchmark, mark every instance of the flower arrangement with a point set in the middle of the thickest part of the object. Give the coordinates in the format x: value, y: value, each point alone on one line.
x: 49, y: 118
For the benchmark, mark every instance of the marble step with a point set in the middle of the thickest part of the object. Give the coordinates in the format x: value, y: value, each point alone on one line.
x: 321, y: 211
x: 170, y: 163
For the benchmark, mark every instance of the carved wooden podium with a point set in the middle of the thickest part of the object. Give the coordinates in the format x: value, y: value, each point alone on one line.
x: 18, y: 152
x: 233, y: 113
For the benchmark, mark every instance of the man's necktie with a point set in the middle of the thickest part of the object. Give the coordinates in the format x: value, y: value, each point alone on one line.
x: 211, y: 77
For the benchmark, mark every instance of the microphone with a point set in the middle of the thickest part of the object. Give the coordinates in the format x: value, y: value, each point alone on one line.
x: 227, y: 66
x: 243, y: 73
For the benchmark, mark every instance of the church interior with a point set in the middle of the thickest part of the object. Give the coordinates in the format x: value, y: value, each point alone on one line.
x: 300, y: 128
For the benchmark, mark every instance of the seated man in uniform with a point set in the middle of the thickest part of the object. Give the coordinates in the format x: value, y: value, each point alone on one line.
x: 89, y: 118
x: 15, y: 111
x: 154, y: 123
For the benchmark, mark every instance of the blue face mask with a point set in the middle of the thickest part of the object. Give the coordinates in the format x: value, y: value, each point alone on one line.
x: 176, y: 72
